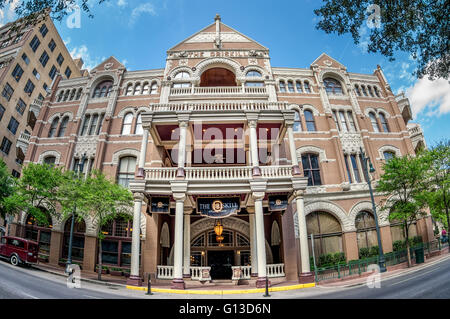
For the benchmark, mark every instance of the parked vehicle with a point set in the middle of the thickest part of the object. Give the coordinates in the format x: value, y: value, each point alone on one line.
x: 19, y: 250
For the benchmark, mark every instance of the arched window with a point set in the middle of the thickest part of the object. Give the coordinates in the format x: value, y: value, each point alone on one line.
x: 363, y: 89
x: 327, y: 233
x: 306, y: 86
x: 127, y: 166
x: 336, y: 121
x: 309, y: 118
x: 384, y: 123
x: 72, y: 95
x: 60, y: 96
x: 351, y: 120
x: 129, y: 89
x: 388, y: 155
x: 53, y: 127
x: 217, y: 77
x: 369, y: 88
x: 63, y: 126
x: 78, y: 94
x: 50, y: 160
x: 66, y: 95
x: 374, y: 122
x: 116, y: 247
x: 357, y: 90
x: 139, y: 130
x: 79, y: 231
x: 126, y: 127
x: 297, y: 122
x: 311, y: 169
x: 93, y: 124
x: 298, y: 84
x: 332, y: 86
x: 282, y: 86
x: 182, y: 75
x: 253, y: 74
x: 137, y: 89
x: 40, y: 232
x: 154, y: 88
x: 344, y: 124
x: 377, y: 93
x: 99, y: 127
x: 103, y: 89
x: 366, y: 233
x: 291, y: 87
x: 87, y: 118
x: 146, y: 88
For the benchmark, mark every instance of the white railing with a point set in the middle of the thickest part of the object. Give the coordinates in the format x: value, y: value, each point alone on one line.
x: 245, y: 272
x: 275, y: 270
x: 217, y: 173
x: 219, y: 106
x: 164, y: 272
x: 226, y: 90
x: 201, y: 273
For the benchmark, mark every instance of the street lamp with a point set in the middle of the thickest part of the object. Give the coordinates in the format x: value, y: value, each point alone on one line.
x: 78, y: 169
x: 382, y: 260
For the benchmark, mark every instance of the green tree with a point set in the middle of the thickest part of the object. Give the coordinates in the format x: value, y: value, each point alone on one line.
x: 6, y: 188
x: 418, y: 27
x: 438, y: 177
x: 403, y: 184
x: 103, y: 200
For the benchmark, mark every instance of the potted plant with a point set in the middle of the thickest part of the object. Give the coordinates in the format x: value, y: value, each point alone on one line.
x: 114, y: 271
x: 104, y: 269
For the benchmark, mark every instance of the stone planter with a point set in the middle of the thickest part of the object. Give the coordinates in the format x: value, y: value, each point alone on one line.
x: 115, y: 272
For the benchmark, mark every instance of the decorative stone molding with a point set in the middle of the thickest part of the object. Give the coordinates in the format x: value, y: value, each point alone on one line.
x: 389, y: 148
x: 86, y: 145
x: 332, y: 208
x: 43, y: 155
x: 313, y: 149
x: 211, y: 37
x: 207, y: 224
x: 211, y: 62
x: 351, y: 142
x: 122, y: 153
x: 367, y: 206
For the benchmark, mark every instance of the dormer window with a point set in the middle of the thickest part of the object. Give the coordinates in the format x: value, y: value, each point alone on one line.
x: 332, y: 86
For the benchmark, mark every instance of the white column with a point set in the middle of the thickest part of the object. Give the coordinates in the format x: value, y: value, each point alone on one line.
x: 182, y: 149
x: 254, y: 255
x: 303, y: 235
x: 254, y: 147
x: 178, y: 244
x: 293, y: 150
x: 135, y: 278
x: 187, y: 246
x: 143, y: 153
x: 260, y: 238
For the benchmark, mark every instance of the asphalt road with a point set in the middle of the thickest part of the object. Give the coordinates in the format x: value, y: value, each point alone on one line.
x: 432, y: 282
x: 22, y: 283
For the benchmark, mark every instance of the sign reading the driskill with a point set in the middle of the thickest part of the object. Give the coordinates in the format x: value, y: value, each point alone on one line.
x: 159, y: 204
x: 218, y: 207
x: 278, y: 203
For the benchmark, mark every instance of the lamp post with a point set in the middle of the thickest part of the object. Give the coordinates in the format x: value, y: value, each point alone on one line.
x: 382, y: 260
x: 79, y: 169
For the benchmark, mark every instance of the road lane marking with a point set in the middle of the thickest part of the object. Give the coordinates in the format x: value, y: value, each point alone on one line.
x: 28, y: 295
x: 91, y: 297
x: 399, y: 282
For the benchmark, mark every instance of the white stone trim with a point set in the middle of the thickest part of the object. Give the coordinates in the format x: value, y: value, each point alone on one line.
x: 125, y: 152
x: 334, y: 209
x: 390, y: 148
x: 312, y: 149
x: 43, y: 155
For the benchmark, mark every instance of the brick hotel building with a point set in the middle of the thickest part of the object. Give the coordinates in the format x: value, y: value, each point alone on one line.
x: 286, y: 162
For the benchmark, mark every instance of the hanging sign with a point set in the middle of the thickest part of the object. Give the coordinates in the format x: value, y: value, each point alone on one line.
x: 278, y: 202
x: 218, y: 207
x: 159, y: 204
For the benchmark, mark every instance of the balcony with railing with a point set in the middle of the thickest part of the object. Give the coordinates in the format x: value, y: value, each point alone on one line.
x: 219, y: 106
x: 218, y: 92
x: 22, y: 144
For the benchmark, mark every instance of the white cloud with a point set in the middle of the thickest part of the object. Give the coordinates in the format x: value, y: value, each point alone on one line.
x: 142, y: 9
x: 432, y: 97
x: 122, y: 3
x: 83, y: 52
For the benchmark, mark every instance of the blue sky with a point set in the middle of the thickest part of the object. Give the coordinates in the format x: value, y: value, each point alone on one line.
x: 138, y: 33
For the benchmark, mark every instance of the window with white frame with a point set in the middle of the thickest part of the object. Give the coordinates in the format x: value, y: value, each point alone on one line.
x: 127, y: 121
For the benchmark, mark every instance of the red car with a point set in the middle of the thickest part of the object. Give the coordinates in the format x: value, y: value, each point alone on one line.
x: 19, y: 250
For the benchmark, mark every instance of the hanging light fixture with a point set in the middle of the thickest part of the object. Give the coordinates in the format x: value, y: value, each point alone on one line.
x: 218, y: 229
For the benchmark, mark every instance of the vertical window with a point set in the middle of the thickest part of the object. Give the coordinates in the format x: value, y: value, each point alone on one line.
x: 72, y: 94
x: 352, y: 121
x: 52, y: 72
x: 377, y: 93
x: 53, y: 127
x: 2, y: 111
x: 336, y: 121
x: 369, y: 88
x: 15, y: 173
x: 52, y: 45
x: 34, y: 44
x: 25, y: 59
x: 99, y: 129
x: 21, y: 106
x: 357, y: 90
x: 13, y: 125
x: 306, y: 86
x: 349, y: 174
x: 60, y: 59
x: 6, y: 146
x: 126, y: 128
x: 282, y: 86
x: 384, y: 123
x: 139, y: 130
x: 363, y: 89
x: 355, y: 168
x: 388, y: 155
x: 146, y: 89
x: 127, y: 166
x: 374, y: 122
x: 93, y: 124
x: 87, y: 118
x: 310, y: 124
x: 17, y: 73
x: 343, y: 121
x: 78, y: 94
x: 44, y: 58
x: 50, y: 160
x: 43, y: 30
x: 36, y: 74
x: 63, y: 126
x: 66, y: 95
x: 299, y: 87
x: 68, y: 72
x: 7, y: 91
x: 291, y: 87
x: 154, y: 88
x: 45, y: 86
x: 297, y: 122
x: 129, y: 89
x: 327, y: 233
x: 137, y: 89
x: 332, y: 86
x: 29, y: 87
x: 311, y: 169
x: 366, y: 233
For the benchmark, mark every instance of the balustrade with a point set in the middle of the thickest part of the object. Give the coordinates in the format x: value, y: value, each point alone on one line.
x: 164, y: 272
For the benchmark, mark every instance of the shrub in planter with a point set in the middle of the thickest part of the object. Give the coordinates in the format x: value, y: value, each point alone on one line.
x: 399, y: 245
x: 373, y: 251
x: 104, y: 269
x: 115, y: 271
x: 364, y: 253
x: 338, y: 258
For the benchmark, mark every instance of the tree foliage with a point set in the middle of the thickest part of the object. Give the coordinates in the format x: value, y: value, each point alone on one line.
x: 418, y: 27
x: 6, y: 188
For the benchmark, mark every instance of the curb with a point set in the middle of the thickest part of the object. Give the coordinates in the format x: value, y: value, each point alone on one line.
x: 408, y: 271
x: 223, y: 292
